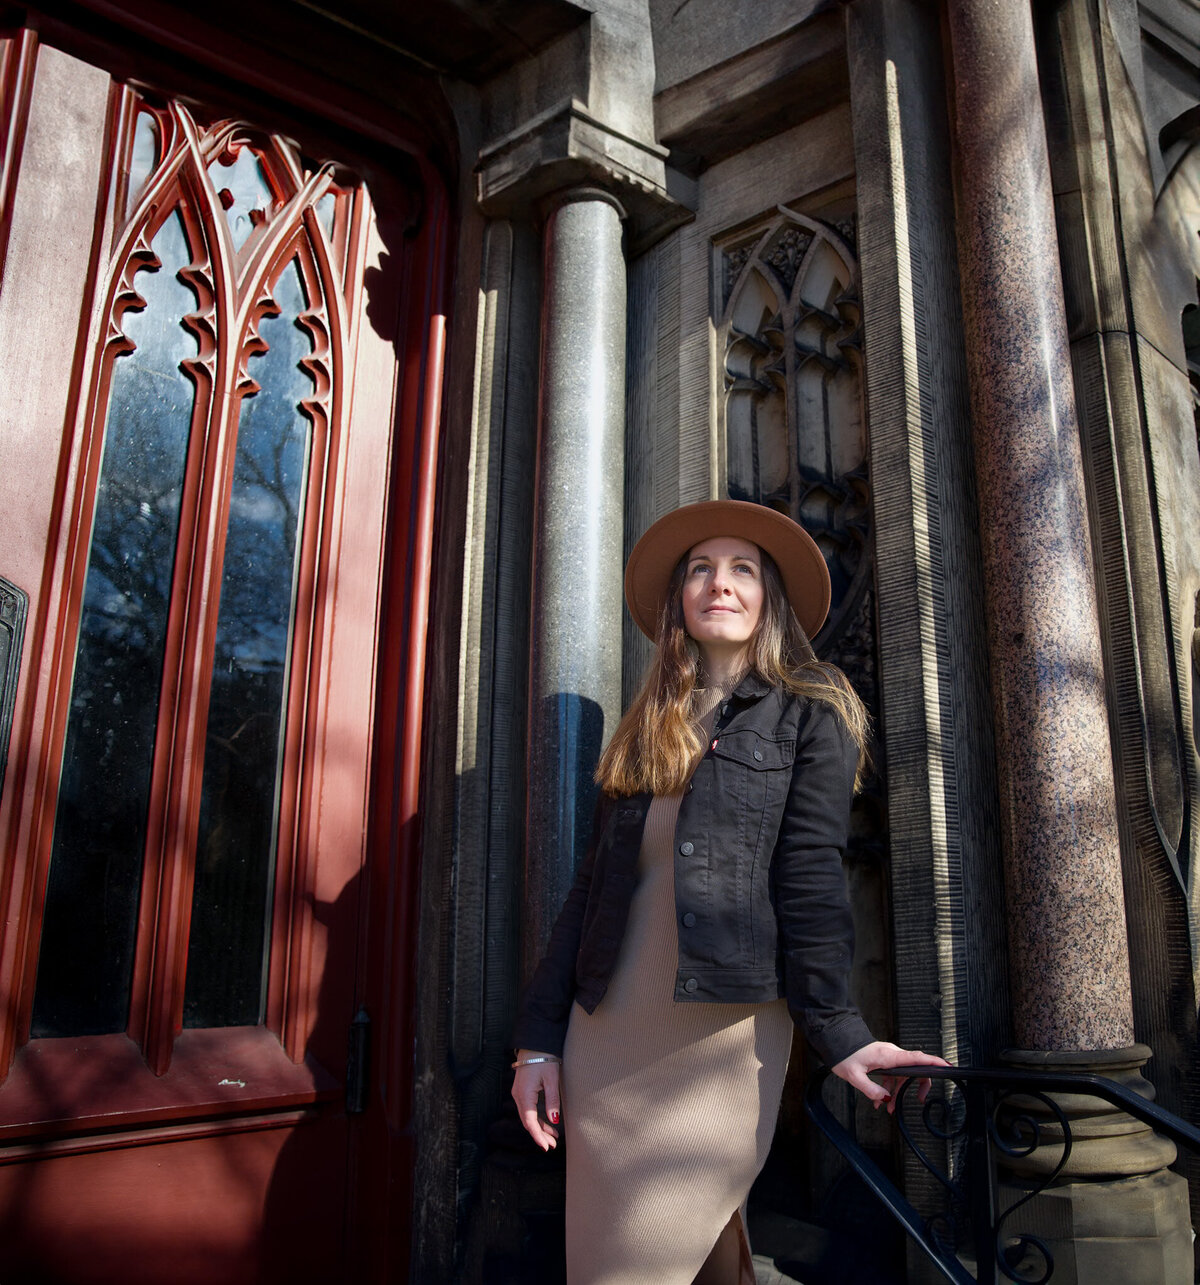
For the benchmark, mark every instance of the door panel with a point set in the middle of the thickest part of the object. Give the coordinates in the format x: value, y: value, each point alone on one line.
x: 212, y: 418
x: 230, y: 1207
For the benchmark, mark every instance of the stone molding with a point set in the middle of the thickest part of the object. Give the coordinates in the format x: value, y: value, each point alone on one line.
x: 567, y: 147
x: 1106, y: 1142
x: 755, y: 93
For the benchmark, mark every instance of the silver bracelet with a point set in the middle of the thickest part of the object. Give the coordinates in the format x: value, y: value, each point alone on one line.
x: 530, y: 1061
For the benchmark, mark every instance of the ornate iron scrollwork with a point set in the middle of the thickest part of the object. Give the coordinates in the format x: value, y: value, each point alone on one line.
x: 1010, y: 1130
x: 989, y: 1116
x: 1017, y: 1136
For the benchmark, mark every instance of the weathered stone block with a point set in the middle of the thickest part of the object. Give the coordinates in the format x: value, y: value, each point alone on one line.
x: 1134, y: 1230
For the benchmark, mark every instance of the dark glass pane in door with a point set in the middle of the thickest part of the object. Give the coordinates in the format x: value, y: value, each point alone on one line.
x: 235, y: 850
x: 88, y: 930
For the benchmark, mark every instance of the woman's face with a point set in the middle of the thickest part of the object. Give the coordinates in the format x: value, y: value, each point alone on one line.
x: 723, y: 593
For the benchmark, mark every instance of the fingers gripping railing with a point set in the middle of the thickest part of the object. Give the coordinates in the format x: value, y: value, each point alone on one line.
x: 990, y: 1114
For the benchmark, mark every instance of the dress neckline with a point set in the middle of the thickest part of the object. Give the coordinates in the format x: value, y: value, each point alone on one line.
x: 706, y: 699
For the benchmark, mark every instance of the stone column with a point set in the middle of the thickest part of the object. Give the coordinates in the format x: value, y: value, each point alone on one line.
x: 1067, y: 938
x: 1062, y: 859
x: 575, y: 674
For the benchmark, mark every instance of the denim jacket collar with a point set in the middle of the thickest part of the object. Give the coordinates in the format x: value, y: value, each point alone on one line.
x: 752, y: 687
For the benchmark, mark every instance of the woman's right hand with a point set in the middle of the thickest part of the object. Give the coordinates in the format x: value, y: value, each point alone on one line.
x: 528, y: 1083
x: 880, y: 1056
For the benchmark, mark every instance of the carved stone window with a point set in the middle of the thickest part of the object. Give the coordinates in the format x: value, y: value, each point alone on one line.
x: 795, y: 439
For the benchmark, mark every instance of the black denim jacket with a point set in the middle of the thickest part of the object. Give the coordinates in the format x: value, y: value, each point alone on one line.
x: 760, y: 897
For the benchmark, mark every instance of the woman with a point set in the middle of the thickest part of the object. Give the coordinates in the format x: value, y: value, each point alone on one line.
x: 711, y: 904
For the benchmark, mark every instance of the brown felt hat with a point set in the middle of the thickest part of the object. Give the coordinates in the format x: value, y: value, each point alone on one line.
x: 795, y: 552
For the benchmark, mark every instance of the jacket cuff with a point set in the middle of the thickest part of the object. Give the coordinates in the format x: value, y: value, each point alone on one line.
x: 836, y: 1042
x: 539, y: 1035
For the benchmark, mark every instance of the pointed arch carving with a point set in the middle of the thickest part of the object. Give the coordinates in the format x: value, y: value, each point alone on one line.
x: 794, y: 429
x: 239, y: 209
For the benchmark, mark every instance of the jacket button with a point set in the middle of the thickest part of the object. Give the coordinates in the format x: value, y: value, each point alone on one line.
x: 687, y: 849
x: 691, y: 984
x: 689, y: 920
x: 758, y: 756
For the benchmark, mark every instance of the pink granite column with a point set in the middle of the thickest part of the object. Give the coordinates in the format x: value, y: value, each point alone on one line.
x: 1069, y: 953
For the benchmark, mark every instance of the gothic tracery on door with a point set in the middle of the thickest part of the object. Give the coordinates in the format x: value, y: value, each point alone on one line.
x: 215, y: 412
x: 183, y: 812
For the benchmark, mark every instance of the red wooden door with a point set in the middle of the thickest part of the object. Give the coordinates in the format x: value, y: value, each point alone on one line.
x: 218, y: 393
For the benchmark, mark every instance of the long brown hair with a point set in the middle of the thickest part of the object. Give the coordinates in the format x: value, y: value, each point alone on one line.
x: 656, y: 746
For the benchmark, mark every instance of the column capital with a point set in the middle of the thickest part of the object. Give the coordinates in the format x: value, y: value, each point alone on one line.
x: 555, y: 200
x: 565, y: 149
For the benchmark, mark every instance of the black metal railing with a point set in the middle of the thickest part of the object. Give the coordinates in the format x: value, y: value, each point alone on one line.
x: 995, y: 1113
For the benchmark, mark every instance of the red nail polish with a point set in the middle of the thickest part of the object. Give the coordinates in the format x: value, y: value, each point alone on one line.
x: 553, y: 1117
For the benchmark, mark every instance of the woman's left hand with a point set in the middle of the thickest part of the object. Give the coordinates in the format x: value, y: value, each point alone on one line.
x: 879, y: 1056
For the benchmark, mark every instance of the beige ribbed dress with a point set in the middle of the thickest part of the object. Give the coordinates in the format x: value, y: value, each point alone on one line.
x: 669, y: 1108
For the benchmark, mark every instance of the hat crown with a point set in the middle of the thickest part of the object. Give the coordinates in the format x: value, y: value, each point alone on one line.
x: 658, y: 552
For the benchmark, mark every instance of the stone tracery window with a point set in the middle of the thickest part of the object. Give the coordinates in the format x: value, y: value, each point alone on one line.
x: 795, y: 437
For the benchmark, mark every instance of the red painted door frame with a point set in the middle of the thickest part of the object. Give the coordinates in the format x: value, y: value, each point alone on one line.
x: 380, y: 1190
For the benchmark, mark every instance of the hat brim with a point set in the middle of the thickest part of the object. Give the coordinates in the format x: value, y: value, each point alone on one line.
x: 794, y: 551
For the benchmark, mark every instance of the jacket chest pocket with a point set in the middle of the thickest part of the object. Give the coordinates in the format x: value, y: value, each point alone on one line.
x: 754, y: 752
x: 753, y: 776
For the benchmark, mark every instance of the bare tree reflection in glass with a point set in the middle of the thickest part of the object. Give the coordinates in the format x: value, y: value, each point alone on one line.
x: 86, y: 958
x: 235, y: 852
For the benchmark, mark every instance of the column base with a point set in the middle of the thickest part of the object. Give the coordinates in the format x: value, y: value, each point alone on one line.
x: 1114, y: 1211
x: 1133, y: 1230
